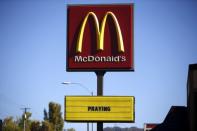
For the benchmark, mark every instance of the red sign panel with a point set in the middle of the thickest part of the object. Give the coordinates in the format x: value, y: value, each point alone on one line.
x: 100, y: 37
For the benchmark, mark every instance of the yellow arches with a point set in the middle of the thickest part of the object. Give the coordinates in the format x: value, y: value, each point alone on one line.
x: 100, y: 32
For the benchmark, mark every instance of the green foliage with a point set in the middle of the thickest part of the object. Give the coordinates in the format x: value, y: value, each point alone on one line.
x: 35, y: 126
x: 55, y: 116
x: 10, y: 125
x: 46, y: 126
x: 46, y: 115
x: 53, y: 121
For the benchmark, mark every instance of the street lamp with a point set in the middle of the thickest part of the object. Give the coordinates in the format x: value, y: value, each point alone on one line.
x: 69, y: 83
x: 81, y: 85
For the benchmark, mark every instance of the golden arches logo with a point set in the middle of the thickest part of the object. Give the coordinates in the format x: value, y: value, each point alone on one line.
x: 100, y: 32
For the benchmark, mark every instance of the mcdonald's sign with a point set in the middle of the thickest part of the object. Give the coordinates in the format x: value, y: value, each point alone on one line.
x: 100, y: 37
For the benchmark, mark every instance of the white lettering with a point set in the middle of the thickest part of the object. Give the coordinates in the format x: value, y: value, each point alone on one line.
x: 78, y: 59
x: 100, y: 58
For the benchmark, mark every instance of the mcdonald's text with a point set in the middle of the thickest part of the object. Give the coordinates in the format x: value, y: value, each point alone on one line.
x: 100, y: 58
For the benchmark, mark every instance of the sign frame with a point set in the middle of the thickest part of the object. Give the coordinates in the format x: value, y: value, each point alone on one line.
x: 106, y: 121
x: 106, y: 68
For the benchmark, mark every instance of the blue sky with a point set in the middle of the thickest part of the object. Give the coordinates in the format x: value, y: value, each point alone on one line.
x: 33, y: 58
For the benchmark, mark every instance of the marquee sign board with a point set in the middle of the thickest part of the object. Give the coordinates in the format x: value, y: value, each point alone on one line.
x: 100, y: 38
x: 99, y: 108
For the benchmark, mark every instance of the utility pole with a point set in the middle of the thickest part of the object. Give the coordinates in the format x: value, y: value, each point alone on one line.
x: 25, y: 111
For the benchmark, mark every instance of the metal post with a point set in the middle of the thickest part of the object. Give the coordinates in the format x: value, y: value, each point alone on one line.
x: 88, y: 126
x: 100, y: 75
x: 92, y: 122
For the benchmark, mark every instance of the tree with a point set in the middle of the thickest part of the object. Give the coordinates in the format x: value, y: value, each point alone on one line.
x: 35, y: 126
x: 46, y: 126
x: 55, y: 116
x: 53, y: 121
x: 10, y: 125
x: 46, y: 115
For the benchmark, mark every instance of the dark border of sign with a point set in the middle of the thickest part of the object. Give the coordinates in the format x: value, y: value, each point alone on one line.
x: 85, y: 121
x: 104, y: 69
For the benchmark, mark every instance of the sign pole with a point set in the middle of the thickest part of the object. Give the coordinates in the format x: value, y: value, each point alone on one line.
x: 100, y: 75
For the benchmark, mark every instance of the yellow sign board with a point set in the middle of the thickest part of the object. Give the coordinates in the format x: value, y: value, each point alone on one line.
x: 99, y: 108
